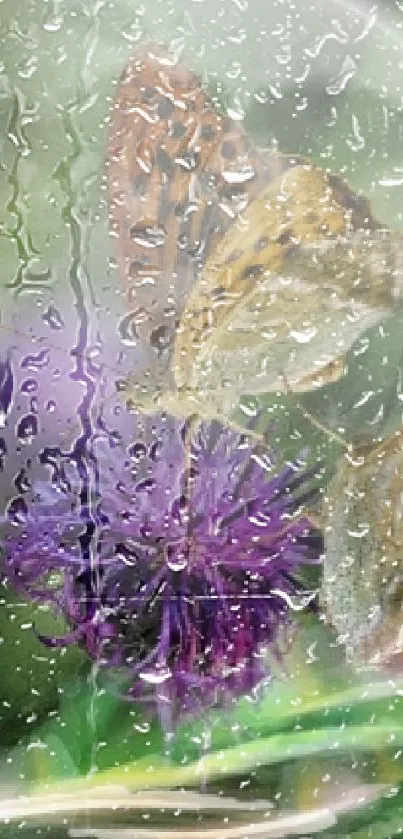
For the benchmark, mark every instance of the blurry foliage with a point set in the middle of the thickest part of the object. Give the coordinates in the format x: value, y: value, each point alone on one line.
x: 33, y: 676
x: 275, y: 747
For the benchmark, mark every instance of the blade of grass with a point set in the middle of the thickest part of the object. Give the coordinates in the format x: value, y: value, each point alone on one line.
x: 280, y: 709
x: 156, y: 772
x: 272, y: 825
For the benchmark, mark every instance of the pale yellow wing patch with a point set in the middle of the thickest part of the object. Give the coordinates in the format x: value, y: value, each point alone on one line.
x: 286, y: 293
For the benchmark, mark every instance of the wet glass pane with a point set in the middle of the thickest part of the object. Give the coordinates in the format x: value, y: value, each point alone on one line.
x: 201, y: 469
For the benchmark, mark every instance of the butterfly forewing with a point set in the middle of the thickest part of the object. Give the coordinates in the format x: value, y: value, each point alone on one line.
x: 179, y: 174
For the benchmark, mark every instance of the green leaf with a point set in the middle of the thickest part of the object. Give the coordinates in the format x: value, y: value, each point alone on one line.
x: 96, y: 728
x: 33, y: 675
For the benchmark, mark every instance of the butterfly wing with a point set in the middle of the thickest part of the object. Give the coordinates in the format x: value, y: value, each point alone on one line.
x: 179, y: 174
x: 362, y: 582
x: 280, y: 310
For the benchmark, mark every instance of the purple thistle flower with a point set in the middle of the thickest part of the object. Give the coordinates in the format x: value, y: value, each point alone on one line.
x: 182, y: 568
x: 176, y: 561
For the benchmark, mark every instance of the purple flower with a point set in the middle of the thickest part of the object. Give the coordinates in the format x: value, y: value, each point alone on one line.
x: 177, y: 561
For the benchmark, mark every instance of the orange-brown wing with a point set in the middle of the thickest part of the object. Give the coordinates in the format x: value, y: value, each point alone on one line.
x: 178, y: 175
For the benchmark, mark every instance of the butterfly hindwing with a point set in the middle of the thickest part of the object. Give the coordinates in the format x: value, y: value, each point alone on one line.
x: 290, y: 287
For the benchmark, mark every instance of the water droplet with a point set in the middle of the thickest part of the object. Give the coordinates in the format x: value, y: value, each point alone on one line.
x: 115, y: 439
x: 155, y: 450
x: 156, y: 677
x: 126, y: 554
x: 146, y: 486
x: 127, y: 330
x: 53, y: 24
x: 177, y: 556
x: 29, y: 386
x: 3, y: 452
x: 22, y: 482
x: 261, y: 96
x: 361, y: 532
x: 143, y: 728
x: 259, y: 520
x: 17, y: 511
x: 53, y: 318
x: 6, y: 389
x: 161, y: 338
x: 239, y: 176
x: 137, y: 451
x: 143, y: 156
x: 264, y: 460
x: 237, y: 115
x: 341, y: 81
x: 188, y: 161
x: 27, y: 428
x: 250, y: 406
x: 303, y: 336
x: 147, y: 236
x: 391, y: 182
x: 36, y: 362
x: 295, y: 602
x: 177, y: 562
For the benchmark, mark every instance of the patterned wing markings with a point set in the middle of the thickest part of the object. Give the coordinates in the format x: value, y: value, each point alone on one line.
x: 179, y: 173
x: 233, y: 258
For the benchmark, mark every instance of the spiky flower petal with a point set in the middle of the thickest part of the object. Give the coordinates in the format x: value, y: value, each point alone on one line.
x: 183, y: 567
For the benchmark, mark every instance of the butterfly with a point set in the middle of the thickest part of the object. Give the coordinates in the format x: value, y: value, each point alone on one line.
x: 362, y: 570
x: 247, y: 271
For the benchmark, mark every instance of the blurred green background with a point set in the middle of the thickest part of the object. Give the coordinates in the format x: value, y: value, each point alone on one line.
x: 323, y: 79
